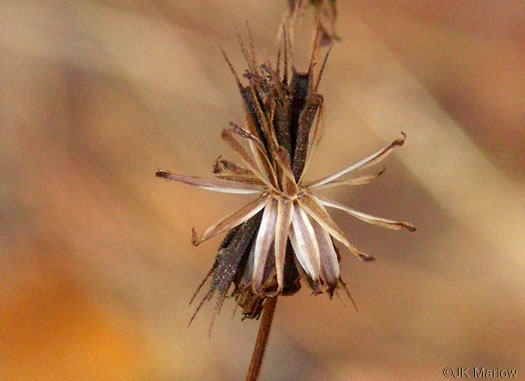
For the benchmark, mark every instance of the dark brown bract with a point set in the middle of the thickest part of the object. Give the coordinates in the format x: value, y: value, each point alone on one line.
x: 285, y: 234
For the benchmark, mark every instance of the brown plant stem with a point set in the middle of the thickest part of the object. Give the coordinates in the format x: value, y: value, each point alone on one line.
x: 262, y: 339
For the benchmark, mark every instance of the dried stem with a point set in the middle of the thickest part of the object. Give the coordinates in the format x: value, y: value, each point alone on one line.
x: 262, y: 339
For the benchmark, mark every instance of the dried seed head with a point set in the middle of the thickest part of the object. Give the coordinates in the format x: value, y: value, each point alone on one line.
x: 286, y: 233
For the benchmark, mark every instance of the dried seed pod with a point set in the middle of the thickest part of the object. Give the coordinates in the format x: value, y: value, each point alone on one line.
x: 286, y: 234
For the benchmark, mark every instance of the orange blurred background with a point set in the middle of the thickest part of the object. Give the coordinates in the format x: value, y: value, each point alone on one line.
x: 96, y: 256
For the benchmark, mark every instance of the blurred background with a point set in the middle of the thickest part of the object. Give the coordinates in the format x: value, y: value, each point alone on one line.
x: 97, y: 264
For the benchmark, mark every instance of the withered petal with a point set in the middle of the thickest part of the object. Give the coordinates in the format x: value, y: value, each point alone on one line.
x: 215, y: 185
x: 329, y: 262
x: 366, y: 162
x: 313, y: 206
x: 227, y: 167
x: 227, y: 135
x: 228, y: 170
x: 247, y: 135
x: 305, y: 244
x: 259, y: 151
x: 386, y: 223
x: 264, y: 240
x: 282, y: 230
x: 241, y: 179
x: 231, y: 220
x: 361, y: 180
x: 288, y: 180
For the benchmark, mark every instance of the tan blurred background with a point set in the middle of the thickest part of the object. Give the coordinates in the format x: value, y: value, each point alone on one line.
x: 96, y: 261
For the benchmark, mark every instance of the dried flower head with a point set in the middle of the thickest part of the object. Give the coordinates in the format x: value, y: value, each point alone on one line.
x: 285, y: 233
